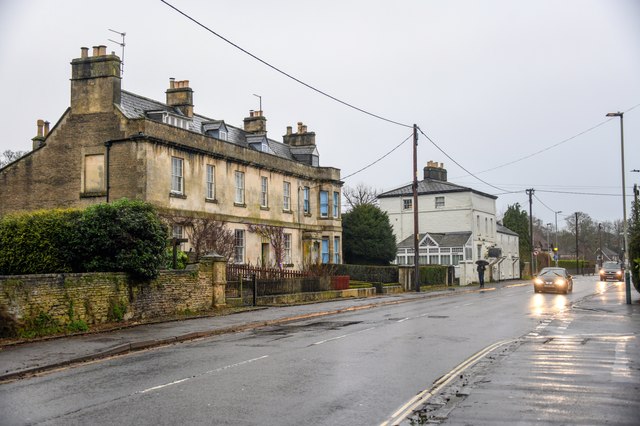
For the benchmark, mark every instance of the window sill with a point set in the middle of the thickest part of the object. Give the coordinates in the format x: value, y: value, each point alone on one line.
x: 93, y: 194
x: 177, y: 195
x: 211, y: 200
x: 307, y: 214
x: 239, y: 204
x: 287, y: 211
x: 264, y: 208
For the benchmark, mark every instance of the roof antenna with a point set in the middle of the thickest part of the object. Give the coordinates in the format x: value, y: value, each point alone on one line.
x: 260, y: 98
x: 121, y: 45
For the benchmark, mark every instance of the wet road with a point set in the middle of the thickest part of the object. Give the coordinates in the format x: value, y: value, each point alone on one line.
x: 354, y: 368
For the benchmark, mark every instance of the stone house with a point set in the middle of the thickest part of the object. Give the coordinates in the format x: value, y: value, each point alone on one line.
x: 457, y: 225
x: 112, y: 144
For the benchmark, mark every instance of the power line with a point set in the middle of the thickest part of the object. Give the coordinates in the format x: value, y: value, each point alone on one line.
x: 541, y: 202
x: 458, y: 164
x: 371, y: 164
x: 554, y: 145
x: 273, y: 67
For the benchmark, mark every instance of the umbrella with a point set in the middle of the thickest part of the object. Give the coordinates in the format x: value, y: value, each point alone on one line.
x: 482, y: 262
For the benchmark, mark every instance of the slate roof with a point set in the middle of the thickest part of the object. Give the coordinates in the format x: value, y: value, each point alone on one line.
x: 504, y: 230
x: 446, y: 239
x: 135, y: 106
x: 431, y: 186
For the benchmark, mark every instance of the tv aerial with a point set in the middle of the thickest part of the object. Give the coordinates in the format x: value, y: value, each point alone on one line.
x: 121, y: 44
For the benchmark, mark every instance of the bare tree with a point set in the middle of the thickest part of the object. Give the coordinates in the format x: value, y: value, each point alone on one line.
x: 275, y: 235
x: 361, y: 194
x: 206, y: 235
x: 9, y: 156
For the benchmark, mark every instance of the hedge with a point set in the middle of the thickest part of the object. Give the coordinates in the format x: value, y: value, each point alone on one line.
x: 368, y: 273
x: 125, y: 236
x: 433, y: 274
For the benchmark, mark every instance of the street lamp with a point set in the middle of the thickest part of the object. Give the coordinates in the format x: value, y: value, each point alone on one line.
x: 555, y: 255
x: 627, y: 278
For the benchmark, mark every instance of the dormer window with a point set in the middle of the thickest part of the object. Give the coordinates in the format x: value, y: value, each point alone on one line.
x: 170, y: 119
x: 259, y: 143
x: 216, y: 129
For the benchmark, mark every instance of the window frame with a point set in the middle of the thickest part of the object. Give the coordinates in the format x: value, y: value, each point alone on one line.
x: 264, y: 192
x: 306, y: 204
x: 324, y: 204
x: 286, y: 196
x: 336, y: 250
x: 407, y: 203
x: 239, y: 184
x: 439, y: 202
x: 239, y: 246
x: 336, y: 204
x: 324, y: 254
x: 210, y: 182
x: 177, y: 176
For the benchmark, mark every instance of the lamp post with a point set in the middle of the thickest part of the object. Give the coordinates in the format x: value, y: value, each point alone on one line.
x: 549, y: 225
x: 555, y: 254
x: 627, y: 278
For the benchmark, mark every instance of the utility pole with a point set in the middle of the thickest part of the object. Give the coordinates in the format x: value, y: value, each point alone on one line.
x: 577, y: 265
x: 416, y: 233
x: 600, y: 257
x: 530, y: 193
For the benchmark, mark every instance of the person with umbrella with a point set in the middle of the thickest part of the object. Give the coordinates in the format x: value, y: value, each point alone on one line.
x: 482, y: 265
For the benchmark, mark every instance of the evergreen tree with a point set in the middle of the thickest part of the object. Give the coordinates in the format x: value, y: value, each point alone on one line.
x: 367, y: 236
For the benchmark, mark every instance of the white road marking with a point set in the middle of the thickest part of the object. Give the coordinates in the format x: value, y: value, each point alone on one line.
x: 217, y: 370
x: 342, y: 336
x: 403, y: 319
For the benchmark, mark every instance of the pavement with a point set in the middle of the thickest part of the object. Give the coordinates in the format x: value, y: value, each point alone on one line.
x: 579, y: 367
x: 23, y: 359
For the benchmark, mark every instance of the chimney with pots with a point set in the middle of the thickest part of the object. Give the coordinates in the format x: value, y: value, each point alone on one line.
x: 435, y: 171
x: 302, y: 138
x: 43, y: 130
x: 95, y: 81
x: 256, y: 123
x: 180, y: 96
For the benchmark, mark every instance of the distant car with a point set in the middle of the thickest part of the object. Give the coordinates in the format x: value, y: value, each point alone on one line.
x: 553, y: 279
x: 611, y: 271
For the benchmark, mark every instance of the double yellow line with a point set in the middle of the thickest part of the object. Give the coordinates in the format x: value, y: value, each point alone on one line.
x: 421, y: 398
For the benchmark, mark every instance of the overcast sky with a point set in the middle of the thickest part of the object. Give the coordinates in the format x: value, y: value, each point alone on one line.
x: 490, y: 82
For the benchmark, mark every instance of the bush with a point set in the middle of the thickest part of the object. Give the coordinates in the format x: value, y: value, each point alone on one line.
x: 125, y: 236
x: 368, y: 273
x: 38, y: 242
x: 433, y: 274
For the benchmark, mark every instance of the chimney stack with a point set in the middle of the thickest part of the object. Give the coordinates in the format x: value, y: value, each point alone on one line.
x: 95, y: 81
x: 38, y: 140
x: 302, y: 138
x: 256, y: 123
x: 180, y: 96
x: 435, y: 171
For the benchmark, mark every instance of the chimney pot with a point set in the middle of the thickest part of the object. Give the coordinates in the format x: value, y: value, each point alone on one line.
x: 46, y: 128
x: 172, y: 83
x: 299, y: 126
x: 84, y: 52
x: 304, y: 129
x: 102, y: 50
x: 289, y: 130
x: 96, y: 51
x: 40, y: 128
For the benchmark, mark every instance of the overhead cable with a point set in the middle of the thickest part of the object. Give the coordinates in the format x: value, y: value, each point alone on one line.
x: 273, y: 67
x: 554, y: 145
x: 371, y: 164
x: 459, y: 165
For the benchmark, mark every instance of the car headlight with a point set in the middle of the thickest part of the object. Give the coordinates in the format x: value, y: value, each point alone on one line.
x: 619, y: 273
x: 538, y: 281
x: 560, y: 282
x: 601, y: 271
